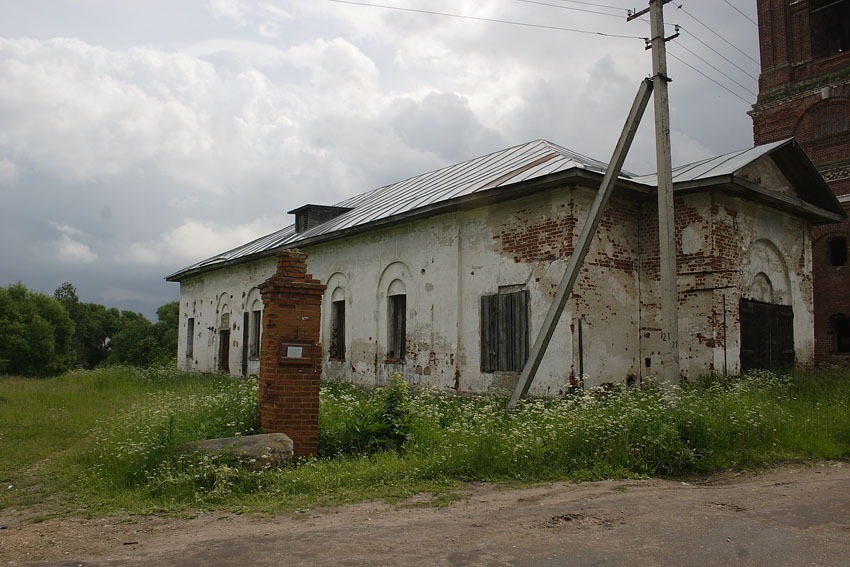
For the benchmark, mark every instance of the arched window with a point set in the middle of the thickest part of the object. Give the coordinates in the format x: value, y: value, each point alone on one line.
x: 337, y: 344
x: 396, y: 321
x: 829, y: 119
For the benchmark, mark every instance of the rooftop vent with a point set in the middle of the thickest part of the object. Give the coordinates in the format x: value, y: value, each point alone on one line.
x: 309, y: 216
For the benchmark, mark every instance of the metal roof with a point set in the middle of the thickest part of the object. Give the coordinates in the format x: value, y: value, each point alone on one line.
x: 727, y: 164
x: 435, y: 191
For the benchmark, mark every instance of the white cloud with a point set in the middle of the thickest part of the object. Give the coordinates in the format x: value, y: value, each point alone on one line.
x: 157, y: 139
x: 231, y: 9
x: 66, y: 229
x: 195, y: 240
x: 69, y: 250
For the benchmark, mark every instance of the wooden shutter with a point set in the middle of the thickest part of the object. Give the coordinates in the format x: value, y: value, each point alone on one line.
x: 504, y: 331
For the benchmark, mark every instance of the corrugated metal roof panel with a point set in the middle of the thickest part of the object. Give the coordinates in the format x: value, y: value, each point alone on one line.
x: 727, y: 164
x: 534, y: 160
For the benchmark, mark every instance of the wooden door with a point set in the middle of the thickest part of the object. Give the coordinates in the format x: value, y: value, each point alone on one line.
x: 767, y: 336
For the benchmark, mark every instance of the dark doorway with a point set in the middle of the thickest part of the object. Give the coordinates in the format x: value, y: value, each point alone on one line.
x: 224, y: 350
x: 767, y: 336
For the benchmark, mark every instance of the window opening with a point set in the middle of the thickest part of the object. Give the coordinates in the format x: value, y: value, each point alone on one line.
x: 838, y: 251
x: 190, y: 338
x: 397, y: 327
x: 830, y: 27
x: 504, y: 331
x: 841, y: 329
x: 254, y: 344
x: 337, y: 347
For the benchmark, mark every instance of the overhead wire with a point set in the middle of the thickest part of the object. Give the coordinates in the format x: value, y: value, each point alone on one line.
x: 559, y: 6
x: 681, y: 7
x: 755, y: 23
x: 595, y: 4
x: 719, y: 84
x: 587, y: 32
x: 491, y: 20
x: 716, y: 82
x: 716, y: 69
x: 707, y: 46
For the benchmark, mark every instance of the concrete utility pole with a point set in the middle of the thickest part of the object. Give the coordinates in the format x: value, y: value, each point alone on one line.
x: 666, y: 219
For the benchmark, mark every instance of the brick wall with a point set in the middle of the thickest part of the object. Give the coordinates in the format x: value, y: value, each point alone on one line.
x: 291, y: 359
x: 831, y: 289
x: 808, y: 97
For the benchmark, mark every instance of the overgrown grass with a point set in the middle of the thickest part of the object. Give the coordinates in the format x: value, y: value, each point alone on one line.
x: 50, y: 429
x: 391, y: 442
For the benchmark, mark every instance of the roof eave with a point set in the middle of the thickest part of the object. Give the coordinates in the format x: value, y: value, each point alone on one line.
x: 465, y: 202
x: 736, y: 185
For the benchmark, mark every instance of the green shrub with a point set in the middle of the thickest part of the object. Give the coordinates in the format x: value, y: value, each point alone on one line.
x: 357, y: 421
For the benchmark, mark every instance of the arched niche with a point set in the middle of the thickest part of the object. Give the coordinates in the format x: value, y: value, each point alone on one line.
x: 765, y: 275
x: 395, y: 312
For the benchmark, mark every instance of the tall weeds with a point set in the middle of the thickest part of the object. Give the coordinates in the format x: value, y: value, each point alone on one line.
x: 392, y: 441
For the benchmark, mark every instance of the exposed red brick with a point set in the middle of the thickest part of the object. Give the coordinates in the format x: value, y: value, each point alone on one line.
x: 795, y: 86
x: 289, y: 391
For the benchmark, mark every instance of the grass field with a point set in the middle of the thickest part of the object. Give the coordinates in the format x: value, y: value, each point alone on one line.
x: 103, y: 441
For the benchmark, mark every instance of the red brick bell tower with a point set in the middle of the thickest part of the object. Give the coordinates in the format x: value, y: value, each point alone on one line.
x: 804, y: 92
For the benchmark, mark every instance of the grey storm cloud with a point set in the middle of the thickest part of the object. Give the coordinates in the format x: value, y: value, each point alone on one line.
x: 139, y: 137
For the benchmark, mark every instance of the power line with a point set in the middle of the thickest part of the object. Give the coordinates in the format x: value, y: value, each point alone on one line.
x: 491, y: 20
x: 722, y: 86
x: 716, y: 69
x: 747, y: 73
x: 740, y: 12
x: 569, y: 8
x: 680, y: 7
x: 594, y: 4
x: 709, y: 47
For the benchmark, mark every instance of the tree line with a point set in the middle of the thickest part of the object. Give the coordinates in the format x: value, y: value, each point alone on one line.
x: 42, y: 335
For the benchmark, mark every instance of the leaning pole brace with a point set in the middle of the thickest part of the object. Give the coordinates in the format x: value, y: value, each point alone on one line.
x: 580, y: 251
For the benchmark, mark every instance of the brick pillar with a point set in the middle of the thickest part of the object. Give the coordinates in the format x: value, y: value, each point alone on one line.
x: 291, y: 358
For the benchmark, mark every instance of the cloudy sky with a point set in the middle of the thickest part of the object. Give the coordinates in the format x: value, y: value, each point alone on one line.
x: 138, y: 137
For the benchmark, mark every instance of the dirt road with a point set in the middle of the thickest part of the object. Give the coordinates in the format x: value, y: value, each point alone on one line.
x: 788, y: 516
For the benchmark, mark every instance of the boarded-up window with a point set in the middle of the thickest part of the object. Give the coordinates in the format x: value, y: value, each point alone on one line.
x: 397, y: 327
x: 337, y: 347
x: 829, y: 120
x: 190, y: 337
x: 504, y: 331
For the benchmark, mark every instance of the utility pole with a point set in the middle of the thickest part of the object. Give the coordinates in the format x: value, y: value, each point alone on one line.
x: 666, y: 219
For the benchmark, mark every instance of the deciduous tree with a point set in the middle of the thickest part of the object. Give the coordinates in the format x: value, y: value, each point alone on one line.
x: 36, y: 333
